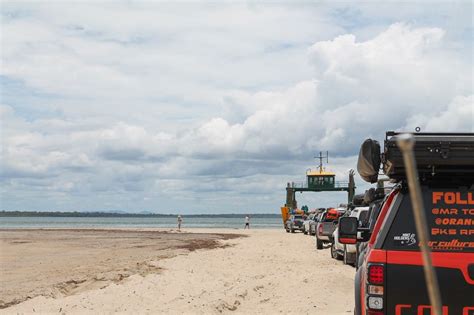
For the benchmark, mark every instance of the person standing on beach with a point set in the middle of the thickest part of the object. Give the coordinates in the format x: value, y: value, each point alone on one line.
x: 180, y: 220
x: 247, y: 222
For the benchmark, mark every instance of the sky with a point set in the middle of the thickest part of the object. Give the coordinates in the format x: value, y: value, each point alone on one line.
x: 212, y: 107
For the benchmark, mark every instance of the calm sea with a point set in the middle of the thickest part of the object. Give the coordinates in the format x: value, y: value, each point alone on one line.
x: 121, y: 222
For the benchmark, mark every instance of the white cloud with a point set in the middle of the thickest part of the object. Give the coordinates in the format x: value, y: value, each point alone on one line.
x: 457, y: 116
x: 360, y: 89
x: 212, y: 108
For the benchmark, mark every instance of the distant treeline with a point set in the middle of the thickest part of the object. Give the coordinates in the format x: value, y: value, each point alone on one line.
x: 124, y: 214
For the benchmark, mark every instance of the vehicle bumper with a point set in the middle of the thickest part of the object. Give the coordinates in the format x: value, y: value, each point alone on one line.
x: 323, y: 238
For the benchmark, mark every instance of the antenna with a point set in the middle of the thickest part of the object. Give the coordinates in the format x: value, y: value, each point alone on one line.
x: 321, y: 158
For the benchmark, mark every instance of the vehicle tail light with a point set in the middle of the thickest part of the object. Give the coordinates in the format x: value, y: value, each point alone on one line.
x: 375, y: 274
x: 375, y: 289
x: 375, y: 302
x: 375, y: 292
x: 320, y: 229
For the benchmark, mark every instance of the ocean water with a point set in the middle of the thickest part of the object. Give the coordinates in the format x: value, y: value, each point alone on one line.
x: 138, y: 222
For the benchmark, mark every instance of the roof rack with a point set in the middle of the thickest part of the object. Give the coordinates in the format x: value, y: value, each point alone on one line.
x: 443, y: 134
x: 438, y: 155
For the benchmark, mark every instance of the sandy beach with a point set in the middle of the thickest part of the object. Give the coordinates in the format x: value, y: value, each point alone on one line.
x: 198, y: 271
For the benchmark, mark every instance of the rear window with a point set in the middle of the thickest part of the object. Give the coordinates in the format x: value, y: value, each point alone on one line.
x: 298, y: 217
x: 326, y: 219
x: 363, y: 216
x: 450, y: 218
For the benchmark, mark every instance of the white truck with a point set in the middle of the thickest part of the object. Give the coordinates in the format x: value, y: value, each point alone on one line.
x: 347, y: 252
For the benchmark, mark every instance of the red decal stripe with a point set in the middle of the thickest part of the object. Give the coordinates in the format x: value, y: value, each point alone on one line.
x: 377, y: 256
x: 383, y: 212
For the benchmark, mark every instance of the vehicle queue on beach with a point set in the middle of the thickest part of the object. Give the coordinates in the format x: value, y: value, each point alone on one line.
x: 409, y: 258
x: 322, y: 223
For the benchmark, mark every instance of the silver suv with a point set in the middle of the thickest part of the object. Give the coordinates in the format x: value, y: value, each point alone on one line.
x: 295, y: 222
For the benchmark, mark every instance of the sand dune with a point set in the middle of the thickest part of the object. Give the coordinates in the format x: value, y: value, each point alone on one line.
x: 266, y: 273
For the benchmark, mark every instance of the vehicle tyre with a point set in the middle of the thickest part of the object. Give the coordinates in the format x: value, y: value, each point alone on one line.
x: 287, y: 230
x: 345, y: 259
x: 334, y: 253
x: 304, y: 231
x: 292, y: 229
x: 331, y: 252
x: 319, y: 243
x: 356, y: 261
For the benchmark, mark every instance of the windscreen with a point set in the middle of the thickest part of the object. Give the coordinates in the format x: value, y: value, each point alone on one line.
x: 450, y: 217
x: 363, y: 216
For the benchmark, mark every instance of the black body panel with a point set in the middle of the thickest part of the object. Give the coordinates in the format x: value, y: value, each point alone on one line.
x: 399, y: 232
x: 410, y: 289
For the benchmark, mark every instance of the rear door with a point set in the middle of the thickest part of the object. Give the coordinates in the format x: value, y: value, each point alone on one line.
x: 328, y: 225
x: 450, y: 215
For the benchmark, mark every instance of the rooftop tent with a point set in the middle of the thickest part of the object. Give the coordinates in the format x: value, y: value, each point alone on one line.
x: 439, y: 156
x: 332, y: 214
x: 358, y: 200
x: 369, y: 195
x: 368, y: 164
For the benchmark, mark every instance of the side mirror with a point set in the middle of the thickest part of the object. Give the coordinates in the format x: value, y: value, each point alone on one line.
x: 348, y: 230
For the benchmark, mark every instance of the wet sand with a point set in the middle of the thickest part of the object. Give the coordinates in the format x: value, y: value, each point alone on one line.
x: 203, y: 272
x: 61, y: 262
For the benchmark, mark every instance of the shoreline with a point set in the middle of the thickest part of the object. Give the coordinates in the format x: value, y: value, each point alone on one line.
x: 206, y: 222
x: 189, y: 230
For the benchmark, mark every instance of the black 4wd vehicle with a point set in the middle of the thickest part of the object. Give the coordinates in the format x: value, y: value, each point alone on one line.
x: 390, y: 279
